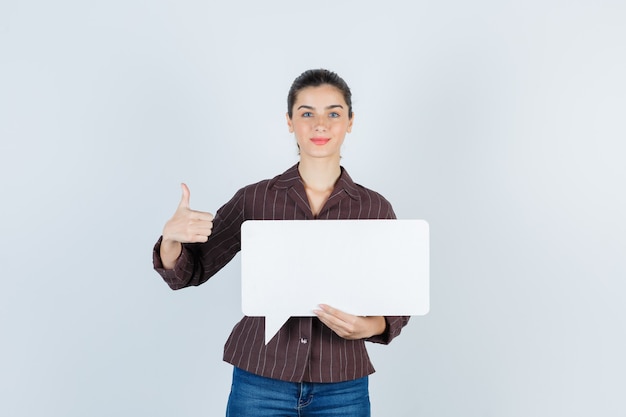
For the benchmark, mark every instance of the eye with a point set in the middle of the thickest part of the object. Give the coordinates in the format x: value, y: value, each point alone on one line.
x: 307, y: 114
x: 333, y: 114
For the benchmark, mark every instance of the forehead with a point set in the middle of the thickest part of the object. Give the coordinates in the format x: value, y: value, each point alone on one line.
x: 325, y: 94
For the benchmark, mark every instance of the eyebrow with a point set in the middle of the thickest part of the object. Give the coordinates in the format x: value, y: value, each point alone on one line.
x: 332, y: 106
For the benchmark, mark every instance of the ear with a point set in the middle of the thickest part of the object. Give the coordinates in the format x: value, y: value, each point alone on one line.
x: 349, y: 129
x: 289, y: 123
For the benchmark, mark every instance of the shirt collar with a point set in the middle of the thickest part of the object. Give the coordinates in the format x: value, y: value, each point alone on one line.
x: 292, y: 179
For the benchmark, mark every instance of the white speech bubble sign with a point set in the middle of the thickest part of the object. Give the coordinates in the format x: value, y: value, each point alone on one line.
x: 362, y: 267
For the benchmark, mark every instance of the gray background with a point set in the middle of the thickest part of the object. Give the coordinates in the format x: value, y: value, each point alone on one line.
x: 501, y: 123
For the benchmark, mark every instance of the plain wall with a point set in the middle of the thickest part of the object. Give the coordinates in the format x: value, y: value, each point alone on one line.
x: 500, y: 123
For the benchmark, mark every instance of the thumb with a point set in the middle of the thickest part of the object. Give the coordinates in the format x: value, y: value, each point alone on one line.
x: 184, y: 201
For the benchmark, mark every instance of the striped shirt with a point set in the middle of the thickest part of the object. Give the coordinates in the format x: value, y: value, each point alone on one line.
x: 304, y: 349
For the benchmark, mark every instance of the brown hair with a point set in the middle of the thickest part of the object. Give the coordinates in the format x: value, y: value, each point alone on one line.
x: 315, y: 78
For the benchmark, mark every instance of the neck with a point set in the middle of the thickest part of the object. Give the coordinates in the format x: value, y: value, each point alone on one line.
x: 319, y: 174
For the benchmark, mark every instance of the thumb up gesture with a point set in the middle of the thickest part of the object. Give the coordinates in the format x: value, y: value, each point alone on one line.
x: 185, y: 226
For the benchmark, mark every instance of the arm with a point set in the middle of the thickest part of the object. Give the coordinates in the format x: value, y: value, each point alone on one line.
x: 393, y: 329
x: 377, y: 329
x: 194, y: 245
x: 170, y: 258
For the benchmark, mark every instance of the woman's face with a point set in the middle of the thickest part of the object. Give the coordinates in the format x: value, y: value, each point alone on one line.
x: 320, y: 121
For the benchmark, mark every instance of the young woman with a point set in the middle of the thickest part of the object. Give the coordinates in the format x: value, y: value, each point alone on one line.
x: 314, y: 366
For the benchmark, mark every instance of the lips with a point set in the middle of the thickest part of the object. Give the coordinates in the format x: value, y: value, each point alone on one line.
x: 320, y: 141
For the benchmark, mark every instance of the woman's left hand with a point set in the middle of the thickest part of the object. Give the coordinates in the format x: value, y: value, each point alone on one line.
x: 349, y: 326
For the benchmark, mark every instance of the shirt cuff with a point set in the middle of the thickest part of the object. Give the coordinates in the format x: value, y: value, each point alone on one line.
x: 175, y: 277
x: 393, y: 329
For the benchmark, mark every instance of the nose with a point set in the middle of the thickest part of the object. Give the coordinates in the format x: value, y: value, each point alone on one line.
x: 321, y: 124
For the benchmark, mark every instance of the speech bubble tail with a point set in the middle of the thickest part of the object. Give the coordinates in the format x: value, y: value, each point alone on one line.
x: 272, y: 326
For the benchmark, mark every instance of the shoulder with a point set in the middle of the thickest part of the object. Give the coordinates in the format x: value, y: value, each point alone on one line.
x: 253, y: 194
x: 262, y: 186
x: 371, y: 195
x: 358, y: 190
x: 376, y: 204
x: 280, y: 182
x: 364, y: 191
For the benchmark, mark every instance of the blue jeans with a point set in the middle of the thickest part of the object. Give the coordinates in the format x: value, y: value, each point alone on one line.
x: 257, y: 396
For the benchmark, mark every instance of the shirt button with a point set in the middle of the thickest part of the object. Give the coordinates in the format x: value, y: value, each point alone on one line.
x: 304, y: 341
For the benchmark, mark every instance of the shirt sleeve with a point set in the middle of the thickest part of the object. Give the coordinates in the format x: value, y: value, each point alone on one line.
x: 200, y: 261
x: 393, y: 329
x: 181, y: 274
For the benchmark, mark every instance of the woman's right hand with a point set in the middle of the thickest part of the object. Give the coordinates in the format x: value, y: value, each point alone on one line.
x: 185, y: 226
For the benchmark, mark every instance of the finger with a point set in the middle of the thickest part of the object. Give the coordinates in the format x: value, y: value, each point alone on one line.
x: 335, y: 312
x: 198, y: 238
x: 184, y: 201
x: 334, y: 324
x: 201, y: 229
x: 201, y: 215
x: 198, y: 228
x: 341, y: 322
x: 326, y: 317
